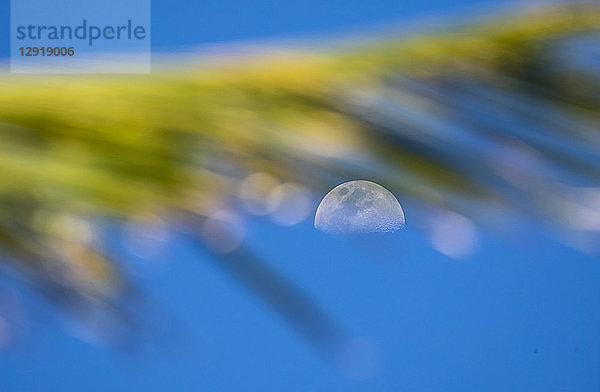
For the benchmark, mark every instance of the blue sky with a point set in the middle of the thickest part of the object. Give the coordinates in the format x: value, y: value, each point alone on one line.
x: 511, y: 318
x: 197, y: 22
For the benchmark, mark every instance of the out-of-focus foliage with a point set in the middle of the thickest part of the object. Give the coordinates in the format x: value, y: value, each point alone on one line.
x: 494, y: 120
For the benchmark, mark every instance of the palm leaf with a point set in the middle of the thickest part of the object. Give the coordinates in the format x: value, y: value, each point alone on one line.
x: 490, y: 119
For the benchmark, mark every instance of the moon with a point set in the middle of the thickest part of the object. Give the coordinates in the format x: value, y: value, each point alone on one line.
x: 359, y: 206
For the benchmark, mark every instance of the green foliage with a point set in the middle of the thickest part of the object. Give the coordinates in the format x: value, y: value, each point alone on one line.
x: 176, y: 143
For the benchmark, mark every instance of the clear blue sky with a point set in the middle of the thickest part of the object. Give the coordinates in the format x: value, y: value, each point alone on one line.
x: 195, y: 22
x: 513, y: 318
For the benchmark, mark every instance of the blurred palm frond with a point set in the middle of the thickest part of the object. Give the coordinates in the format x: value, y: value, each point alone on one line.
x: 493, y: 119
